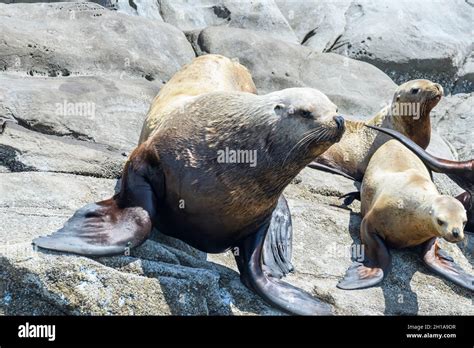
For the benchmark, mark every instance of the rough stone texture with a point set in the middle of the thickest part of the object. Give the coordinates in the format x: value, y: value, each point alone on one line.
x: 406, y: 39
x: 262, y: 16
x: 91, y: 108
x: 87, y: 39
x: 357, y: 88
x: 453, y: 118
x: 24, y: 150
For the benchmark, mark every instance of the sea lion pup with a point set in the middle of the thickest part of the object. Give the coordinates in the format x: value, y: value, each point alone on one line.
x: 461, y: 172
x: 179, y: 181
x: 401, y: 207
x: 409, y: 113
x: 205, y: 74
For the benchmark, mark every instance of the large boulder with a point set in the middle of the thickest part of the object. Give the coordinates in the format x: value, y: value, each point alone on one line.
x: 63, y: 39
x: 453, y: 118
x: 24, y: 150
x: 262, y: 16
x: 97, y: 109
x: 406, y: 39
x: 355, y: 87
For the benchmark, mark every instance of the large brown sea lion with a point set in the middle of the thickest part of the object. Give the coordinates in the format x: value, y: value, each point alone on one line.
x: 409, y: 113
x: 179, y: 181
x: 401, y: 207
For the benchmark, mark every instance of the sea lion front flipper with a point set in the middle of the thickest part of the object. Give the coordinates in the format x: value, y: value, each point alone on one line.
x: 328, y: 169
x: 376, y: 262
x: 350, y: 197
x: 249, y: 257
x: 440, y: 262
x: 277, y: 248
x: 115, y: 225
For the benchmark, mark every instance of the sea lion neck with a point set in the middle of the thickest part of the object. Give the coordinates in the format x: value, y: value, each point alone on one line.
x: 416, y: 124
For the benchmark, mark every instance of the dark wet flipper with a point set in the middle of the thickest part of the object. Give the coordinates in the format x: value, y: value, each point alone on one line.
x: 277, y: 248
x: 274, y: 291
x: 375, y: 266
x: 112, y: 226
x: 440, y: 262
x: 350, y: 197
x: 328, y: 169
x: 100, y: 229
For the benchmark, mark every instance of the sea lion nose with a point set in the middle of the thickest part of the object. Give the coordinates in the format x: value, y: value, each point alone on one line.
x: 339, y: 121
x: 456, y: 232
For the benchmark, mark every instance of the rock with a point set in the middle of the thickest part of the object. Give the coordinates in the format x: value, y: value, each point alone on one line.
x: 465, y: 78
x: 24, y: 150
x: 64, y: 39
x: 412, y: 41
x: 355, y: 87
x: 405, y: 39
x: 262, y: 16
x: 144, y: 8
x: 95, y: 109
x: 453, y: 118
x: 318, y: 24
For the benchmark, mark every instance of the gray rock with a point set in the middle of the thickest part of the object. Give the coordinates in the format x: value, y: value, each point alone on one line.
x: 318, y: 24
x: 453, y: 118
x: 465, y: 78
x: 355, y: 87
x: 63, y: 39
x: 262, y: 16
x: 24, y: 150
x: 144, y: 8
x: 406, y: 39
x: 95, y: 109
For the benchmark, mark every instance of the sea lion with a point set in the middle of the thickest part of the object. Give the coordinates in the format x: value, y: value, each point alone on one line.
x: 409, y: 113
x: 174, y: 181
x: 205, y: 74
x: 461, y: 172
x: 401, y: 207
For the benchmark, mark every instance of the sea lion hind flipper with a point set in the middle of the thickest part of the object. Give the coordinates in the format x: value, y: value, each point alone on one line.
x: 376, y: 261
x: 440, y: 262
x: 112, y: 226
x: 328, y: 169
x: 277, y: 293
x: 100, y: 229
x: 277, y: 249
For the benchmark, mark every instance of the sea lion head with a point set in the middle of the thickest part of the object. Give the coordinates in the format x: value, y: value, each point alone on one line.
x: 449, y: 218
x: 308, y: 122
x: 423, y: 92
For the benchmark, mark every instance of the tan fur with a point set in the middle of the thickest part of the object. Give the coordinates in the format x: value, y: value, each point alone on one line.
x: 352, y: 154
x: 402, y: 204
x: 205, y: 74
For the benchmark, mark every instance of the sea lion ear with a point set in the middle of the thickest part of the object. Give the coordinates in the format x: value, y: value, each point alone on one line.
x: 279, y: 109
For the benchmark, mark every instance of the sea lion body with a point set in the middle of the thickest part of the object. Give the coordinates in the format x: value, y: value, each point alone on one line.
x: 205, y: 74
x: 176, y: 180
x: 401, y: 207
x: 409, y: 113
x: 461, y: 172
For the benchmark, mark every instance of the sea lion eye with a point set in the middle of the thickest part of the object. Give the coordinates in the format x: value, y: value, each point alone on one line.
x: 415, y: 90
x: 306, y: 114
x: 440, y: 222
